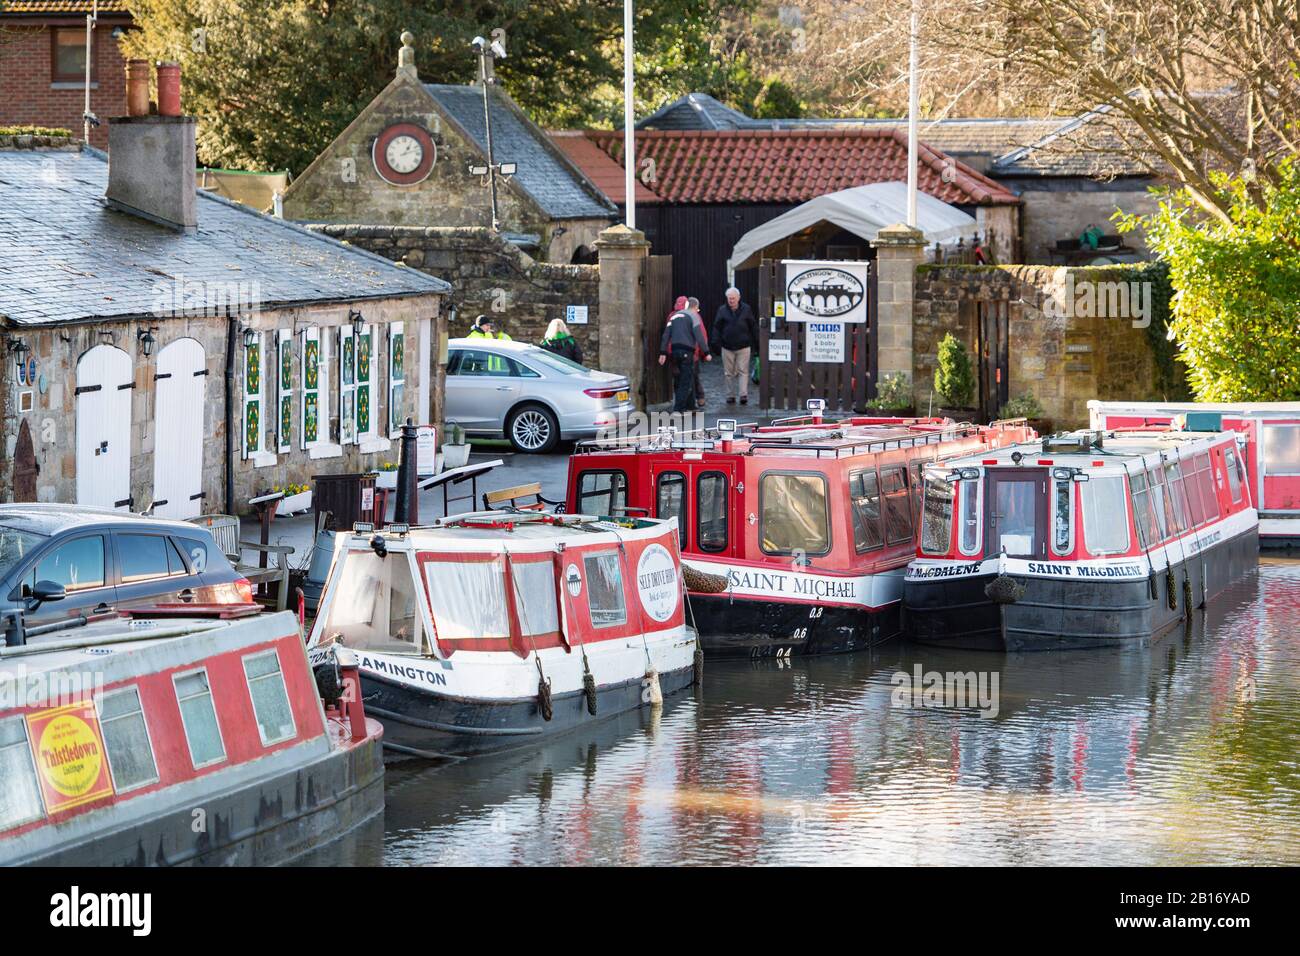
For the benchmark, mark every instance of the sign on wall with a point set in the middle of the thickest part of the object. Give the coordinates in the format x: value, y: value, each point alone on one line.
x: 820, y: 290
x: 825, y: 342
x: 575, y: 315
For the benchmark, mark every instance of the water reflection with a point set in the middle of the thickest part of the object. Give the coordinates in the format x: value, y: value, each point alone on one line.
x: 1183, y: 752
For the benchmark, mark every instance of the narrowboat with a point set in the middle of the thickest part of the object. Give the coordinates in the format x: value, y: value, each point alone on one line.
x: 494, y: 630
x: 795, y: 536
x: 1272, y: 451
x: 1087, y: 539
x: 162, y: 742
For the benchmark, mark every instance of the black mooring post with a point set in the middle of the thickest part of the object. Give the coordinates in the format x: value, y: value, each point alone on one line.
x: 407, y: 509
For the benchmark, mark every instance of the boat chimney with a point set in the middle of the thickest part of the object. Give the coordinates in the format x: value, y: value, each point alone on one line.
x: 151, y: 156
x: 726, y: 432
x: 407, y: 509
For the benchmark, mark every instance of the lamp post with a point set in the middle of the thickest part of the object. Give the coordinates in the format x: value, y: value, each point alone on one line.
x: 488, y: 53
x: 629, y: 140
x: 913, y: 107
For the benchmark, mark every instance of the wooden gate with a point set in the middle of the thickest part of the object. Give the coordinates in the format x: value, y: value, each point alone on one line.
x: 788, y: 382
x: 657, y: 286
x: 104, y: 383
x: 994, y: 356
x: 178, y: 430
x: 25, y: 467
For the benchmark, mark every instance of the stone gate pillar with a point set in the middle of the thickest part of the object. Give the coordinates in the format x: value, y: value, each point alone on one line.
x: 899, y: 250
x: 623, y: 253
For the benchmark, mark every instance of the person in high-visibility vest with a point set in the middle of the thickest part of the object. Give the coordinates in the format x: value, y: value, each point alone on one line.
x: 485, y: 328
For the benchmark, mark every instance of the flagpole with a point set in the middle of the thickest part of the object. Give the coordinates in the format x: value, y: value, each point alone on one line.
x: 629, y: 143
x: 913, y: 108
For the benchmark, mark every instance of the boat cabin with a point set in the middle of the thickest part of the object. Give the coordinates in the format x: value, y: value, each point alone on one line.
x: 1084, y: 496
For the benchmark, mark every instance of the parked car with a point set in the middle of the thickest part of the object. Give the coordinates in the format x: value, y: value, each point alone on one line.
x: 58, y: 561
x: 533, y: 397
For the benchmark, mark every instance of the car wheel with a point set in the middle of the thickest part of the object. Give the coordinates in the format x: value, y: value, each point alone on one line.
x: 533, y: 429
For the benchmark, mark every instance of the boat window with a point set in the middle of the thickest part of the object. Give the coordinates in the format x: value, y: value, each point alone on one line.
x: 898, y: 509
x: 1142, y: 509
x: 917, y: 478
x: 1105, y: 515
x: 970, y: 515
x: 1281, y: 449
x: 794, y: 514
x: 1062, y: 528
x: 711, y: 511
x: 1176, y: 502
x: 1205, y: 488
x: 375, y: 605
x: 144, y: 557
x: 534, y: 584
x: 270, y: 699
x: 20, y: 797
x: 1192, y: 485
x: 126, y: 739
x: 670, y: 496
x: 936, y: 522
x: 1159, y: 505
x: 1234, y: 473
x: 77, y: 565
x: 199, y: 718
x: 602, y: 493
x: 468, y: 598
x: 605, y: 589
x: 1016, y: 513
x: 864, y: 492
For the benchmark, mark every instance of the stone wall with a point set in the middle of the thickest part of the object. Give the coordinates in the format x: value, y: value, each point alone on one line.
x: 1061, y: 350
x: 52, y: 419
x: 489, y: 275
x: 1065, y: 209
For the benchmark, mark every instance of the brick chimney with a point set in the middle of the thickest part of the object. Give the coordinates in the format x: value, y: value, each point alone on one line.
x: 151, y: 155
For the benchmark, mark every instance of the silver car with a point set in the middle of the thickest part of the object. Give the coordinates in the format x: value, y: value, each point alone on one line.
x: 534, y: 397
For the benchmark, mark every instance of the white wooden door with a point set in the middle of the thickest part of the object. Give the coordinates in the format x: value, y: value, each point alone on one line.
x: 178, y: 430
x: 104, y: 377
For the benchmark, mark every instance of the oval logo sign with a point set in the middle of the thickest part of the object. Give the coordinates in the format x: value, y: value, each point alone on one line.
x: 825, y: 292
x: 657, y: 582
x: 573, y: 580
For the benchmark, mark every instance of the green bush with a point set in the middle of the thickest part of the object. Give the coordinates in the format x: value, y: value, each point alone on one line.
x: 1023, y: 406
x: 34, y: 131
x: 954, y: 379
x: 893, y: 391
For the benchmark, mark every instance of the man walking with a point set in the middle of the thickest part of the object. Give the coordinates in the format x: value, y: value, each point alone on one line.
x: 693, y: 306
x: 736, y: 330
x: 679, y: 343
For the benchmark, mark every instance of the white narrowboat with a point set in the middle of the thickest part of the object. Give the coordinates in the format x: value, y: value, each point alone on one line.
x: 492, y: 630
x: 1086, y: 539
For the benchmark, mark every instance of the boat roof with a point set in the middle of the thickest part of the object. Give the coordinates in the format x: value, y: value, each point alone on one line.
x: 503, y: 530
x: 1175, y: 408
x: 1081, y: 448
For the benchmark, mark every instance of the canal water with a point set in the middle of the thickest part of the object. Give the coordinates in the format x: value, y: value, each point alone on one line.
x: 1184, y: 752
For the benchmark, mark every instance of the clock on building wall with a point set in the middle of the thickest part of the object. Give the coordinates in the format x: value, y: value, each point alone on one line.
x: 404, y: 154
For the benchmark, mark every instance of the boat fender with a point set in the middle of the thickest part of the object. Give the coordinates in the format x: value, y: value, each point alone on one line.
x: 655, y: 695
x: 543, y: 693
x: 1171, y: 593
x: 699, y: 665
x: 1151, y: 584
x: 1004, y: 590
x: 1187, y: 593
x: 327, y: 684
x: 1205, y: 596
x: 703, y: 582
x: 588, y: 685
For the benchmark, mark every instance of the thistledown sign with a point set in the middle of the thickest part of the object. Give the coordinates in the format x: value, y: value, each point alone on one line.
x: 825, y: 290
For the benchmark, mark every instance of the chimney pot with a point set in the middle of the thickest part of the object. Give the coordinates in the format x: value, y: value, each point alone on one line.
x: 137, y: 87
x: 169, y: 89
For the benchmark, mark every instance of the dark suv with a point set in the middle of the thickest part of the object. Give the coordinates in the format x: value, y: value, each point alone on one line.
x: 104, y: 561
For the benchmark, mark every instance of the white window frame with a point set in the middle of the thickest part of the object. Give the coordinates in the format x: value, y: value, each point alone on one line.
x: 253, y: 448
x: 369, y: 331
x: 1069, y: 515
x: 308, y: 336
x: 395, y: 329
x: 283, y: 390
x: 347, y: 410
x: 248, y: 684
x: 975, y: 485
x: 103, y: 724
x: 212, y: 699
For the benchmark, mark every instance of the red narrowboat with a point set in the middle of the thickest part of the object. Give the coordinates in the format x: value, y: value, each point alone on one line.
x: 166, y: 742
x: 1087, y: 539
x: 1272, y: 451
x: 795, y: 536
x: 495, y: 630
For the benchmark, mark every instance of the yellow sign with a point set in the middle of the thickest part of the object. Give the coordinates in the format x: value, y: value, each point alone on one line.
x: 70, y: 759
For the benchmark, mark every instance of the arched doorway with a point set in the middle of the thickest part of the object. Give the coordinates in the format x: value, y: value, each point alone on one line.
x: 25, y: 467
x: 178, y: 430
x: 104, y: 378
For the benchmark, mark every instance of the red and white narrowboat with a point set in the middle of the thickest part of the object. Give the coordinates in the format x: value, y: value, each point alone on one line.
x: 493, y: 630
x: 1087, y: 539
x: 800, y: 531
x: 1272, y: 451
x: 168, y: 742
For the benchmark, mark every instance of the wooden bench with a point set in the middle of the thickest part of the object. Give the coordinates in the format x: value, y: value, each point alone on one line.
x: 225, y: 531
x: 491, y: 499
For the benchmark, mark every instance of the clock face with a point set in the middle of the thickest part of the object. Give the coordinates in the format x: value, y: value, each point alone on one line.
x: 404, y: 154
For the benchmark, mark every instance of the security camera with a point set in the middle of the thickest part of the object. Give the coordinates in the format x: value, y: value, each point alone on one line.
x: 479, y: 44
x: 498, y: 49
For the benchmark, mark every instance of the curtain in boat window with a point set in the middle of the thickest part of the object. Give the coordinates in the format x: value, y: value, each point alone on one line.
x: 794, y: 514
x: 534, y: 583
x: 605, y: 589
x: 468, y: 598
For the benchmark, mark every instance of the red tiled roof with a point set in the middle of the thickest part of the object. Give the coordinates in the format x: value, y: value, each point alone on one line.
x: 61, y: 7
x: 598, y: 166
x: 793, y: 166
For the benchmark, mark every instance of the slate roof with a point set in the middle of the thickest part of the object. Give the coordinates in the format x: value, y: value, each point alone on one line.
x: 699, y: 111
x: 793, y: 166
x: 545, y: 173
x: 66, y: 257
x: 1088, y: 145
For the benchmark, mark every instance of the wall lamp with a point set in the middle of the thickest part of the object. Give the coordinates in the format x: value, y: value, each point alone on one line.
x: 250, y: 338
x: 20, y: 350
x: 357, y: 320
x: 145, y: 339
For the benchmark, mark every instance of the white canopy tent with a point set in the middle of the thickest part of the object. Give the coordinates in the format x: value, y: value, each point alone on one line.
x: 863, y: 211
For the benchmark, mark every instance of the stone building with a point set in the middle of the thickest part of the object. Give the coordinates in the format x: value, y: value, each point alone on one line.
x: 170, y: 349
x: 43, y: 63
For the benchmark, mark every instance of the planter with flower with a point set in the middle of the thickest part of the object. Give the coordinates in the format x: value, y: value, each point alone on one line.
x: 297, y: 499
x: 386, y: 477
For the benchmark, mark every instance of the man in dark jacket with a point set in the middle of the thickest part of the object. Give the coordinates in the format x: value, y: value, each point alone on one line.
x: 735, y: 330
x: 680, y: 340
